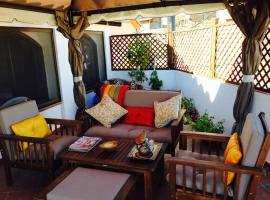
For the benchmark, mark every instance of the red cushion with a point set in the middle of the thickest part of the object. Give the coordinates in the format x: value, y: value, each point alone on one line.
x: 139, y: 116
x: 121, y: 94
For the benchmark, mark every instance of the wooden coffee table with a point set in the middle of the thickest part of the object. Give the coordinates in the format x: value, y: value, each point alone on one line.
x: 153, y: 171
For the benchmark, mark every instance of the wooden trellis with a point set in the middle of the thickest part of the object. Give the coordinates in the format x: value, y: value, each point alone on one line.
x: 158, y: 44
x: 213, y: 52
x: 229, y: 59
x: 192, y: 51
x: 228, y: 49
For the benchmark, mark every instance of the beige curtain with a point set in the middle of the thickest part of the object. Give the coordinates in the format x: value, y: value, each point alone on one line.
x: 73, y: 34
x: 253, y: 20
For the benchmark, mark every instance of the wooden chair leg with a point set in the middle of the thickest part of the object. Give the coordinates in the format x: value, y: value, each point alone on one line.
x: 7, y: 169
x: 173, y: 151
x: 50, y: 175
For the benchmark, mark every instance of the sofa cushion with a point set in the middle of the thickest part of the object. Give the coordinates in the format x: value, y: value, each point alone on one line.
x: 252, y: 138
x: 167, y: 111
x: 146, y: 98
x: 107, y: 112
x: 139, y: 116
x: 131, y: 132
x: 84, y: 184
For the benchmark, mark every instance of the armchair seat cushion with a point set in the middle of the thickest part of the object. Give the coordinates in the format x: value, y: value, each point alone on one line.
x: 60, y: 143
x: 199, y: 174
x: 198, y: 156
x: 199, y: 179
x: 131, y: 132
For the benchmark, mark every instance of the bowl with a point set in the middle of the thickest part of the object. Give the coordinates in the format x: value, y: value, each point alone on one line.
x: 109, y: 145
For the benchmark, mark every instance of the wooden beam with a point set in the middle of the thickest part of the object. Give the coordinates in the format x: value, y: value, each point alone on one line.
x: 145, y: 6
x: 109, y: 23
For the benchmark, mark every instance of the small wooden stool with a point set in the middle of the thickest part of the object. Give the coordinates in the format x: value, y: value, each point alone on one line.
x: 84, y: 183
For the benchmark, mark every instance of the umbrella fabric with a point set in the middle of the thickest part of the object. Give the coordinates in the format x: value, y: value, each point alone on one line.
x: 73, y: 34
x: 252, y: 18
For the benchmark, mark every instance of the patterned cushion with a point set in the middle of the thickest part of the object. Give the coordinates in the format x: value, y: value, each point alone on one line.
x: 107, y: 111
x: 166, y: 111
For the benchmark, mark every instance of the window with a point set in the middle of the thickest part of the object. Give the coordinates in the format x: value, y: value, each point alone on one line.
x: 28, y: 66
x: 93, y: 59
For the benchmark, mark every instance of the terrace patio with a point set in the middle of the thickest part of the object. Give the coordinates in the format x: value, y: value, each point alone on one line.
x: 181, y: 76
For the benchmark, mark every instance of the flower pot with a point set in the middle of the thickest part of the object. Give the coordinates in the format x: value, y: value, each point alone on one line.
x: 187, y: 127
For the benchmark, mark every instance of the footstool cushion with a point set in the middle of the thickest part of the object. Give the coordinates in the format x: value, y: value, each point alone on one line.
x: 85, y: 184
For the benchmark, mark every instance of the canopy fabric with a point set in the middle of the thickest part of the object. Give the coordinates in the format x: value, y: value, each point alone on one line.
x: 10, y: 15
x: 94, y: 5
x: 86, y: 5
x: 253, y: 20
x: 75, y: 54
x: 157, y: 12
x: 46, y: 4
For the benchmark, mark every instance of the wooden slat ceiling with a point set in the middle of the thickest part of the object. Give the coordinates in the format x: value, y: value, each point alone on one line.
x: 99, y: 6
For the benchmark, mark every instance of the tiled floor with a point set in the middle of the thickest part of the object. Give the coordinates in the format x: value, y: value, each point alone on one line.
x: 27, y: 183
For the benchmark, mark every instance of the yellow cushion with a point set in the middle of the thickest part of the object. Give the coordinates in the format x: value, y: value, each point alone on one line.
x: 36, y: 127
x: 232, y: 155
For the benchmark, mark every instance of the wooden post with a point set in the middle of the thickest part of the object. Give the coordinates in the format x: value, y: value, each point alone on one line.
x: 213, y: 49
x: 170, y: 48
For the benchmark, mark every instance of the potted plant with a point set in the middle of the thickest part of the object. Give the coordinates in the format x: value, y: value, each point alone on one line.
x: 155, y: 82
x: 191, y: 114
x: 205, y: 124
x: 139, y: 56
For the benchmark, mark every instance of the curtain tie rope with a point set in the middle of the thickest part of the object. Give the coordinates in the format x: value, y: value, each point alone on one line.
x: 248, y: 78
x: 77, y: 79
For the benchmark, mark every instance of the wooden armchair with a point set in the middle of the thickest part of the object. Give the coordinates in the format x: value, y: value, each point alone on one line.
x: 42, y: 152
x: 194, y: 175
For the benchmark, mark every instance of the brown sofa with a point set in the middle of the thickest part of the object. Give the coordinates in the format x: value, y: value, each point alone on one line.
x: 142, y: 98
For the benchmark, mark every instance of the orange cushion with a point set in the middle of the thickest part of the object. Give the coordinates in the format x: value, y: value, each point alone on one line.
x: 232, y: 155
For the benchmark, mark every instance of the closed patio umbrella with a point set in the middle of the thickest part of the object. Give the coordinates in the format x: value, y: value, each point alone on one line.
x: 73, y: 34
x: 252, y: 17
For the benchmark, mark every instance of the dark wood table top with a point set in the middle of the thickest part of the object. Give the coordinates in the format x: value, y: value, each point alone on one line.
x: 117, y: 159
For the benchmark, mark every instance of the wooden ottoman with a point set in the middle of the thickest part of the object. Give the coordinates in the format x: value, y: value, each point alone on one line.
x: 84, y: 184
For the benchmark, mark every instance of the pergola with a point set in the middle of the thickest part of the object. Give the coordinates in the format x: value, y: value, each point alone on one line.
x: 251, y: 16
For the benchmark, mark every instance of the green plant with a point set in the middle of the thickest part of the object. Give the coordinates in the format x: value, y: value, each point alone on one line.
x: 137, y: 76
x: 192, y: 113
x: 139, y: 53
x: 155, y: 83
x: 205, y: 124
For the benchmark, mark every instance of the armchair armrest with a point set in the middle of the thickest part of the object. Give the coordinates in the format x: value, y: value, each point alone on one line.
x: 203, y: 164
x: 38, y: 154
x: 25, y: 139
x: 65, y: 126
x: 215, y: 137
